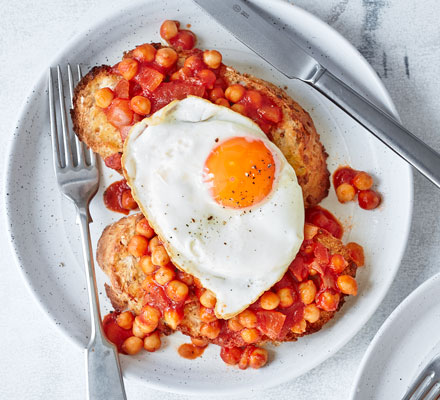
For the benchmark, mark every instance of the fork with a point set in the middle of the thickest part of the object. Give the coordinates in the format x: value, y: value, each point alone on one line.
x: 77, y: 174
x: 427, y: 384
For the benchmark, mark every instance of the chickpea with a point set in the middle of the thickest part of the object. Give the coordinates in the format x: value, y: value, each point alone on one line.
x: 128, y: 68
x: 166, y: 57
x: 212, y: 58
x: 248, y: 319
x: 190, y: 351
x: 240, y: 108
x: 127, y: 200
x: 210, y: 330
x: 208, y: 299
x: 159, y: 256
x: 222, y: 102
x: 328, y: 300
x: 250, y: 335
x: 347, y: 284
x: 143, y: 228
x: 311, y: 313
x: 182, y: 74
x: 216, y: 93
x: 269, y: 301
x: 338, y: 263
x: 137, y: 246
x: 146, y: 265
x: 286, y: 297
x: 307, y: 292
x: 194, y: 63
x: 254, y: 98
x: 235, y: 93
x: 172, y: 318
x: 125, y: 320
x: 152, y: 342
x: 345, y: 192
x: 144, y: 52
x: 177, y: 291
x: 148, y: 318
x: 368, y: 199
x: 231, y: 355
x: 164, y: 275
x: 207, y: 314
x: 258, y: 358
x: 138, y: 329
x: 199, y: 342
x: 104, y: 97
x: 363, y: 181
x: 234, y: 325
x: 299, y: 327
x: 207, y: 77
x: 154, y: 242
x: 140, y: 105
x: 132, y: 345
x: 169, y: 29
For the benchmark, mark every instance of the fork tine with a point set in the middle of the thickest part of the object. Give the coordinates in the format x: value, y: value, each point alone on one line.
x: 78, y: 146
x: 84, y: 148
x: 434, y: 392
x: 53, y: 126
x: 65, y: 129
x: 422, y: 386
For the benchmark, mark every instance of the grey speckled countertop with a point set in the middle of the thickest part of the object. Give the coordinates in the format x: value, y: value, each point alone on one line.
x: 401, y: 40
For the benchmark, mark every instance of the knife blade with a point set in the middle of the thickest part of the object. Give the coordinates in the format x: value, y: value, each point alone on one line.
x: 242, y: 20
x: 255, y: 33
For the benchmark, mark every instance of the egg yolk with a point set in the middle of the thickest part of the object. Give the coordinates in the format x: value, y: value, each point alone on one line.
x: 240, y: 172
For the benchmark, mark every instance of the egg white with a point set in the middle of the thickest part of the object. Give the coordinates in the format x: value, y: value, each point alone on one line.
x: 236, y: 253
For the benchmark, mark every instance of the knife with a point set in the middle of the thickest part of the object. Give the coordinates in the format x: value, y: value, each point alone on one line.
x: 281, y: 51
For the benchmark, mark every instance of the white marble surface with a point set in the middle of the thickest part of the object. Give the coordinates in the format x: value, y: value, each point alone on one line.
x: 400, y: 38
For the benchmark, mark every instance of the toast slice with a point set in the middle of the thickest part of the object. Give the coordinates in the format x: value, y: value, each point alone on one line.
x: 128, y: 292
x: 295, y: 134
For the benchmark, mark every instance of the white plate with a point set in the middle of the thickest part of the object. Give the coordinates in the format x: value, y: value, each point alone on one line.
x: 402, y: 347
x: 45, y: 237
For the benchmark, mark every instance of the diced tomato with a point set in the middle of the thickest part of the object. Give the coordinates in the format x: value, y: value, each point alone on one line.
x: 119, y: 113
x: 343, y: 175
x: 114, y: 161
x: 184, y: 40
x: 328, y: 280
x: 149, y: 78
x: 321, y: 253
x: 114, y: 332
x: 174, y: 90
x: 299, y: 268
x: 122, y: 89
x: 270, y: 323
x: 356, y: 253
x: 323, y: 219
x: 156, y: 297
x: 294, y: 314
x: 124, y: 131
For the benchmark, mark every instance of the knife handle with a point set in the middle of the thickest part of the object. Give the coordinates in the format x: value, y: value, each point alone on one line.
x: 422, y: 157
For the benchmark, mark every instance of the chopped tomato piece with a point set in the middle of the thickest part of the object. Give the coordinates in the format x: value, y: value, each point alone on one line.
x: 149, y: 78
x: 356, y: 253
x: 184, y: 40
x: 155, y: 296
x: 270, y: 323
x: 294, y: 314
x: 122, y: 89
x: 114, y: 161
x: 299, y: 268
x: 321, y: 253
x: 175, y: 90
x: 119, y: 113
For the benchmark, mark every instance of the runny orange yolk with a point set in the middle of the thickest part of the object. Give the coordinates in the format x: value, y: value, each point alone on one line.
x: 240, y: 172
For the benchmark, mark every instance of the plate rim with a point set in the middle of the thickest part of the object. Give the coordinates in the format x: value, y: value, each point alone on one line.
x: 384, y: 328
x: 384, y: 96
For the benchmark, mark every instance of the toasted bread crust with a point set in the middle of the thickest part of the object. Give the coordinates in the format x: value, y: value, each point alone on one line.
x: 126, y: 279
x: 295, y: 135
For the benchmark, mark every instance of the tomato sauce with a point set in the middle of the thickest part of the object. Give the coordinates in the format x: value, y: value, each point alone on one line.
x: 324, y: 219
x: 113, y: 196
x: 114, y: 332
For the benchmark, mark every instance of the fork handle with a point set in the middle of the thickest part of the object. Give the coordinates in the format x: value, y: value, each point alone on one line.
x: 422, y: 157
x: 104, y: 376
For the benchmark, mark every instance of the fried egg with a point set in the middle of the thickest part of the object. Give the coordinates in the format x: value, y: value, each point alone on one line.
x: 220, y: 195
